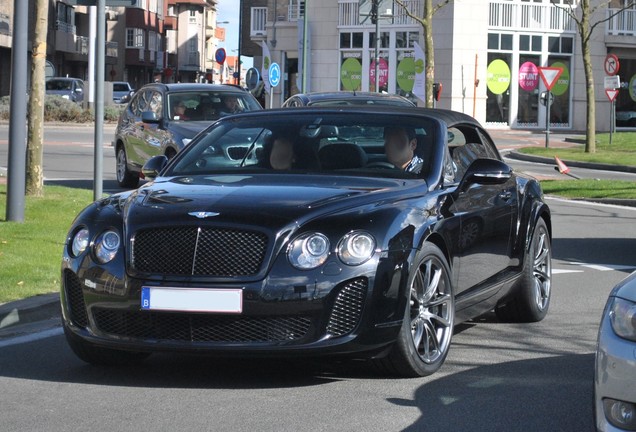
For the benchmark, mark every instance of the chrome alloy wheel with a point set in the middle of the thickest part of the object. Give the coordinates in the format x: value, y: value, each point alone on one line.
x: 431, y: 311
x: 122, y: 169
x: 542, y: 270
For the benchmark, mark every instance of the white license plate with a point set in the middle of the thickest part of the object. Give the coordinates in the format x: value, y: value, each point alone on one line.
x: 192, y: 299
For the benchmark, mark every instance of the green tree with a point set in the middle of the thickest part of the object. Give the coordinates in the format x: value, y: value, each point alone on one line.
x: 583, y: 14
x: 35, y: 135
x: 426, y: 21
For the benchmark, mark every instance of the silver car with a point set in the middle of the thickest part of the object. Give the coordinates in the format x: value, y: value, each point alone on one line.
x: 615, y: 370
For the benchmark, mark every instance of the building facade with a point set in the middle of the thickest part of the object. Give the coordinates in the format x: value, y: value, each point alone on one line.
x: 151, y: 40
x: 489, y: 56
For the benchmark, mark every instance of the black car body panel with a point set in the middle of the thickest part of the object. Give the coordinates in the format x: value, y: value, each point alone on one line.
x: 340, y: 98
x: 217, y: 219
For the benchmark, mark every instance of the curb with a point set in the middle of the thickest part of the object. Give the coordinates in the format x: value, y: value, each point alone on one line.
x: 14, y: 315
x: 589, y: 165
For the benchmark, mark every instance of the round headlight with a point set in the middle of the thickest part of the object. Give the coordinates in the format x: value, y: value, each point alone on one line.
x: 356, y: 248
x: 106, y: 246
x: 308, y: 251
x: 80, y: 242
x: 623, y: 318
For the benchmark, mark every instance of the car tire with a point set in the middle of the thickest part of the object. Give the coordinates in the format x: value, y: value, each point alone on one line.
x: 100, y: 356
x: 531, y: 294
x: 425, y: 336
x: 125, y: 177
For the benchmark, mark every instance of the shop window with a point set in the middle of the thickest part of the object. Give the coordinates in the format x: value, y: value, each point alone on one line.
x: 498, y: 88
x: 500, y: 41
x: 345, y: 40
x: 357, y: 40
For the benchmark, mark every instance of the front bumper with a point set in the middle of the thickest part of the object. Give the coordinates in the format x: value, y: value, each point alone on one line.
x: 615, y: 374
x: 280, y: 317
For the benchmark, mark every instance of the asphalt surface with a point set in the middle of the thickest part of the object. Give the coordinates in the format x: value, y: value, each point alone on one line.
x: 41, y: 312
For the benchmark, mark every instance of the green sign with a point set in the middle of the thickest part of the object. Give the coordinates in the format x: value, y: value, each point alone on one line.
x: 563, y: 83
x: 632, y: 88
x: 498, y: 76
x: 406, y: 74
x: 351, y: 74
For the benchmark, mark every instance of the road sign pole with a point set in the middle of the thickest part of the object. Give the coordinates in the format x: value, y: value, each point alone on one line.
x: 547, y: 121
x: 612, y: 120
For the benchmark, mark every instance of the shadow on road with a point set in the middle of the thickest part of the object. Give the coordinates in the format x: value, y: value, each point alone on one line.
x: 108, y: 186
x: 540, y: 394
x: 595, y: 251
x: 544, y: 394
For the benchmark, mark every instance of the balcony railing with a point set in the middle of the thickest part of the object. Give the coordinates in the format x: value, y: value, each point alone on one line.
x: 258, y: 21
x: 64, y: 26
x: 622, y: 24
x: 349, y: 13
x: 81, y: 45
x: 507, y: 15
x: 5, y: 24
x: 112, y: 49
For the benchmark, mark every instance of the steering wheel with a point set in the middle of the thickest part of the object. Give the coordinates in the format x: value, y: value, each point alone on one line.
x: 380, y: 164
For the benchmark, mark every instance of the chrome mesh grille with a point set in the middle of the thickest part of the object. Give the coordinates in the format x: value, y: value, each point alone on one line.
x: 75, y: 299
x: 347, y: 308
x: 199, y: 251
x: 200, y: 327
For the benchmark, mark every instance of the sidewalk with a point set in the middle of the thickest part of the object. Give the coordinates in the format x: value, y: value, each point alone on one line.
x: 25, y: 316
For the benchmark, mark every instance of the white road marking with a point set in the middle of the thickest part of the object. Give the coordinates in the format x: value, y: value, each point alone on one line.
x: 606, y: 267
x: 32, y: 337
x: 562, y: 271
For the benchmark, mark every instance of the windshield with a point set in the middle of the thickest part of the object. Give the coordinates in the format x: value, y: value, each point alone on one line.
x: 59, y: 85
x: 211, y: 105
x: 351, y: 144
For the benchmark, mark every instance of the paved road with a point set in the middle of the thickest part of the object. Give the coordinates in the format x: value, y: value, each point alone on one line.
x: 498, y: 376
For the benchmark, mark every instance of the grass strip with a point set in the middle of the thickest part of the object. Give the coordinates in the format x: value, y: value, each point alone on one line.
x: 31, y: 251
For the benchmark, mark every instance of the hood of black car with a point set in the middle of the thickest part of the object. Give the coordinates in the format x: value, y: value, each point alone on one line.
x: 266, y: 200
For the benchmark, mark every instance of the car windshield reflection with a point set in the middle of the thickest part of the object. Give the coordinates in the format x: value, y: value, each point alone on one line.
x: 343, y: 144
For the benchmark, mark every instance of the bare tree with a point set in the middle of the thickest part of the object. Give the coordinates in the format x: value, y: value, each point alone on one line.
x: 426, y: 21
x: 582, y: 15
x: 34, y: 171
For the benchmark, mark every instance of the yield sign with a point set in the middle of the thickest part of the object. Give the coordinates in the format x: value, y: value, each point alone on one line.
x: 550, y: 75
x: 611, y: 94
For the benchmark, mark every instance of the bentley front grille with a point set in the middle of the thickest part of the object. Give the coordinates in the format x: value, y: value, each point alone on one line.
x: 199, y: 251
x: 176, y: 326
x: 347, y: 309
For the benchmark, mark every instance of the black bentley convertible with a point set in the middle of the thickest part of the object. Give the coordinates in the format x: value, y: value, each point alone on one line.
x: 289, y: 232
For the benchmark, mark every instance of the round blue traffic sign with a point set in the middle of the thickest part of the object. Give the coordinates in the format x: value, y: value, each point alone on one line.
x: 220, y: 55
x: 274, y: 74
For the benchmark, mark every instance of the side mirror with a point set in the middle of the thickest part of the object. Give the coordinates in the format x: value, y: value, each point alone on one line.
x: 149, y: 117
x: 153, y: 167
x: 485, y: 171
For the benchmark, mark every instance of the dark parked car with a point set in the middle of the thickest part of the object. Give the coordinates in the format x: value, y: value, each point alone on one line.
x: 346, y: 98
x: 162, y: 118
x: 69, y: 88
x: 615, y: 371
x: 289, y: 232
x: 122, y: 92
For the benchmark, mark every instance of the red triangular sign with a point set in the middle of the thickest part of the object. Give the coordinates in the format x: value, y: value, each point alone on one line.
x: 611, y: 94
x: 550, y: 75
x: 563, y: 169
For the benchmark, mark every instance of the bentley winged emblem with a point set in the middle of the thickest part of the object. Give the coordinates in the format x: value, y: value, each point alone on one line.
x: 203, y: 214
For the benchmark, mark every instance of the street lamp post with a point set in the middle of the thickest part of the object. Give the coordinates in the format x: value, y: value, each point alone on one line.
x: 217, y: 47
x: 375, y: 19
